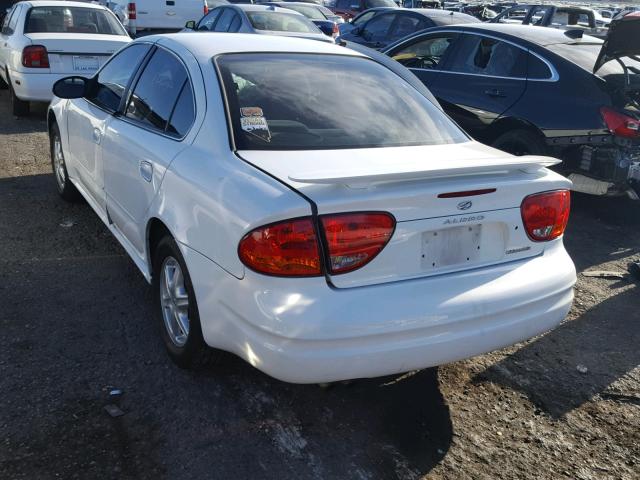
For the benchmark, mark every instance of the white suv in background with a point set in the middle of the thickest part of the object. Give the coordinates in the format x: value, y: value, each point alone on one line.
x: 43, y: 41
x: 168, y: 15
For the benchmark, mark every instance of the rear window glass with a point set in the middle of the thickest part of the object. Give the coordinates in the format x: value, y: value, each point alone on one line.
x: 72, y: 20
x: 303, y: 102
x: 281, y: 22
x: 585, y: 56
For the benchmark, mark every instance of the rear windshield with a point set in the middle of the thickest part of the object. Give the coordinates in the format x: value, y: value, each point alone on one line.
x: 309, y: 12
x: 585, y: 56
x: 280, y: 22
x: 72, y: 20
x: 303, y: 101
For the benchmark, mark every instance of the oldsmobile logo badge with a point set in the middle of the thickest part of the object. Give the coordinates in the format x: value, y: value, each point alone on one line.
x: 465, y: 205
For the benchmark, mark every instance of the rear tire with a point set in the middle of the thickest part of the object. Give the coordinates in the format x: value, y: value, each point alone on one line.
x: 66, y: 189
x: 176, y: 309
x: 520, y: 142
x: 3, y: 84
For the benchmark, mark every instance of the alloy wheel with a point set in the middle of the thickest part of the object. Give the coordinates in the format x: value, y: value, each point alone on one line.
x: 174, y: 301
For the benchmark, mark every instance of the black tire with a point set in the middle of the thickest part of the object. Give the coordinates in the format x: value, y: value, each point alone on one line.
x: 66, y: 189
x: 194, y: 353
x: 520, y: 142
x: 3, y: 84
x: 19, y: 108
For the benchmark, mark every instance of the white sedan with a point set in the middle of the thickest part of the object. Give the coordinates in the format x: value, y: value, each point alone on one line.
x: 44, y: 41
x: 303, y: 206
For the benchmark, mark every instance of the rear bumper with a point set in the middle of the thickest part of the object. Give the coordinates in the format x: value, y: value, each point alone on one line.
x: 35, y: 87
x: 302, y: 331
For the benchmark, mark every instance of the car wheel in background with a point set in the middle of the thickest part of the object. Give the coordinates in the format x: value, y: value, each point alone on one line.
x: 66, y: 189
x: 19, y: 108
x: 3, y: 84
x: 176, y: 308
x: 520, y: 142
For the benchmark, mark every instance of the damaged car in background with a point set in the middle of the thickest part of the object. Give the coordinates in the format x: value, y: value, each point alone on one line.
x: 541, y: 91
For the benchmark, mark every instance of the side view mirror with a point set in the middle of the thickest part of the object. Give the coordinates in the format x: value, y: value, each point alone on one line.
x: 191, y: 25
x: 71, y: 87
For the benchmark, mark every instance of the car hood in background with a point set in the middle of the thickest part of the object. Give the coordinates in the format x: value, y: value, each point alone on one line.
x: 623, y: 40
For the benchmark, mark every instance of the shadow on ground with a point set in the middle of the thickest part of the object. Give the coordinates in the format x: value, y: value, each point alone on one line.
x: 605, y: 339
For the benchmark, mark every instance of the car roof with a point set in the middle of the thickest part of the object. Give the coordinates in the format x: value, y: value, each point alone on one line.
x: 437, y: 14
x: 64, y: 3
x: 205, y: 45
x: 531, y: 33
x: 250, y: 7
x: 301, y: 4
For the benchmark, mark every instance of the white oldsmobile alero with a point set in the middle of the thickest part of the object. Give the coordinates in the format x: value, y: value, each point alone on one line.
x: 44, y: 41
x: 307, y: 208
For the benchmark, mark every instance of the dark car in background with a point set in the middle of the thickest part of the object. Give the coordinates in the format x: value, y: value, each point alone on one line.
x: 258, y: 19
x: 530, y: 90
x: 362, y: 18
x: 321, y: 16
x: 390, y: 26
x: 348, y: 9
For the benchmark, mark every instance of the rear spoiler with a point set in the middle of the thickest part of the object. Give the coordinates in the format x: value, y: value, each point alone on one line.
x: 500, y: 165
x: 623, y: 40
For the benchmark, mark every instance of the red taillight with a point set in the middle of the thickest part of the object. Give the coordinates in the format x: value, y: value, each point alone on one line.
x: 336, y: 31
x: 131, y: 10
x: 620, y: 124
x: 287, y: 248
x: 545, y: 215
x: 354, y: 239
x: 206, y: 9
x: 290, y: 248
x: 35, y: 56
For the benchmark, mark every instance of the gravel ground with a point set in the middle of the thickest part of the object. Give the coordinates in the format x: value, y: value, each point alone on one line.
x: 76, y: 321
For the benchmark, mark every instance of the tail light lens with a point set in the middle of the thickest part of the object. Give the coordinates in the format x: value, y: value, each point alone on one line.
x: 287, y: 248
x: 545, y: 215
x: 206, y: 9
x: 620, y: 124
x: 291, y: 248
x: 35, y: 56
x: 354, y: 239
x: 131, y: 10
x: 336, y: 31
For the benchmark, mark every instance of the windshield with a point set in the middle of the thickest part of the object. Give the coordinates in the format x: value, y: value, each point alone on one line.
x: 287, y: 101
x: 72, y: 20
x: 309, y: 12
x: 280, y: 22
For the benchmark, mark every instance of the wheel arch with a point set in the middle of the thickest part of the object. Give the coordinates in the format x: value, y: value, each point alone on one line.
x: 506, y: 124
x: 156, y: 230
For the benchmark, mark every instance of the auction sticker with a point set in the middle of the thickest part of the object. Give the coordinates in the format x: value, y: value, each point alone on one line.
x: 253, y: 121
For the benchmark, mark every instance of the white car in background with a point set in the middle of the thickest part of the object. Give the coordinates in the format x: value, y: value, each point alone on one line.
x: 310, y: 209
x: 43, y: 41
x: 165, y: 15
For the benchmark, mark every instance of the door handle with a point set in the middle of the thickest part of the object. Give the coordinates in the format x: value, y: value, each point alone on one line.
x: 146, y: 170
x: 494, y: 92
x: 97, y: 136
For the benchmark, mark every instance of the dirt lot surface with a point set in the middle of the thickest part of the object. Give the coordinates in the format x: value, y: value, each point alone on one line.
x: 76, y: 321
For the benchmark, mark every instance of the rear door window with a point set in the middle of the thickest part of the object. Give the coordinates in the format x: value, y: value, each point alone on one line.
x: 12, y: 21
x: 112, y: 80
x: 154, y: 96
x: 408, y: 24
x: 487, y: 56
x: 427, y: 53
x: 234, y: 26
x: 537, y: 69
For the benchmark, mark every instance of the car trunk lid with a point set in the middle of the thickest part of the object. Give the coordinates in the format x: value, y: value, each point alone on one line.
x: 455, y: 214
x: 81, y: 54
x: 623, y: 40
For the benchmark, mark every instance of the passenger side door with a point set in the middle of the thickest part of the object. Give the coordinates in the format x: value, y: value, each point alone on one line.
x: 8, y: 29
x: 87, y: 120
x: 482, y: 80
x: 140, y: 144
